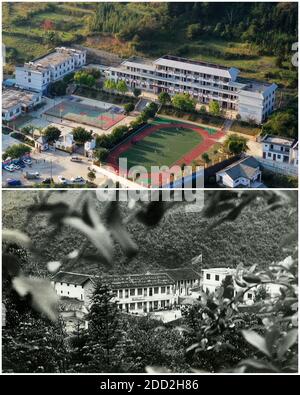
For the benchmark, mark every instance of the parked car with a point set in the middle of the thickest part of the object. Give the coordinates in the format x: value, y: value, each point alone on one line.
x: 13, y: 182
x: 76, y: 159
x: 10, y: 168
x: 78, y: 180
x: 16, y: 167
x: 32, y: 175
x: 62, y: 180
x: 47, y: 181
x: 27, y: 161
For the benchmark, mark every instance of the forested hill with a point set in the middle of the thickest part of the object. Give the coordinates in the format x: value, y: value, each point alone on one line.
x: 273, y: 26
x: 253, y: 238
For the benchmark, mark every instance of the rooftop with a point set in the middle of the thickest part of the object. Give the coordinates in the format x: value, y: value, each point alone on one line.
x: 182, y: 273
x: 279, y: 140
x: 245, y: 167
x: 116, y: 281
x: 220, y: 270
x: 60, y: 55
x: 71, y: 278
x: 14, y: 97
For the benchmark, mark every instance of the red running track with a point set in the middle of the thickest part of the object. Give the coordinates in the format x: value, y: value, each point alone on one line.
x: 208, y: 141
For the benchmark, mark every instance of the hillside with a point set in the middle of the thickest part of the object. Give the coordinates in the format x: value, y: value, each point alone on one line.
x: 255, y: 37
x: 253, y: 238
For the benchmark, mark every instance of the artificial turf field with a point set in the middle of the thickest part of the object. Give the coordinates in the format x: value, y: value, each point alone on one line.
x: 165, y: 142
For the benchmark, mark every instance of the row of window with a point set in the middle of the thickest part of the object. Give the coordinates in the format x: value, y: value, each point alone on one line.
x: 142, y: 292
x: 208, y: 277
x: 143, y: 305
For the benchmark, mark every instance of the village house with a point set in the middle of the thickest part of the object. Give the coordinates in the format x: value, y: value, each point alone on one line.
x: 206, y: 82
x: 212, y: 279
x: 17, y: 101
x: 246, y: 173
x: 280, y: 149
x: 39, y: 73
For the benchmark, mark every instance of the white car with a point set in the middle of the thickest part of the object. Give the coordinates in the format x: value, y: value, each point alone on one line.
x: 27, y: 161
x: 78, y: 180
x: 62, y: 180
x: 16, y: 167
x: 10, y: 168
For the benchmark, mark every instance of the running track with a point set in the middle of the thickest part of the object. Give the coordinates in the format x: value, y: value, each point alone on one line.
x: 208, y: 141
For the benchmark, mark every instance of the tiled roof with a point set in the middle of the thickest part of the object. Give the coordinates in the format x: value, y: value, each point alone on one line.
x: 71, y: 278
x: 138, y: 280
x: 245, y: 167
x: 182, y: 273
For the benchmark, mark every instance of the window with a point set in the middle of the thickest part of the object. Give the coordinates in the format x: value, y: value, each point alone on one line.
x: 163, y: 290
x: 168, y: 290
x: 150, y: 291
x: 249, y: 296
x: 140, y: 305
x: 121, y: 293
x: 217, y: 277
x: 156, y: 290
x: 132, y: 306
x: 126, y: 293
x: 145, y: 291
x: 208, y: 276
x: 132, y: 292
x: 140, y: 291
x: 29, y: 79
x: 75, y: 286
x: 278, y: 156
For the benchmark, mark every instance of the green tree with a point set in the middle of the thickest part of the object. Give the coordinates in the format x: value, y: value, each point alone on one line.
x: 52, y: 133
x: 110, y: 85
x: 136, y: 92
x: 184, y: 102
x: 235, y: 144
x: 206, y: 157
x: 91, y: 176
x: 16, y: 151
x: 58, y: 88
x: 193, y: 31
x: 121, y: 87
x: 128, y: 107
x: 164, y: 98
x: 101, y: 154
x: 81, y: 135
x: 214, y: 107
x: 82, y: 77
x: 149, y: 111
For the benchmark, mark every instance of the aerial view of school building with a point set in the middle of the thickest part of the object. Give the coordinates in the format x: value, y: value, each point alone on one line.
x: 203, y: 81
x: 29, y: 109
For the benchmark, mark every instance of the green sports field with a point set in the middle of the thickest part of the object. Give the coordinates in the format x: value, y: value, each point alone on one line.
x: 163, y: 147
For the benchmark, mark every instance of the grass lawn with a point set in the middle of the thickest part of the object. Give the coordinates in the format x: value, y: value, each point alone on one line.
x: 163, y: 147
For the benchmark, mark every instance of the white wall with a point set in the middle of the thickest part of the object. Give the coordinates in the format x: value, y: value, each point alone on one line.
x: 70, y: 291
x: 13, y: 112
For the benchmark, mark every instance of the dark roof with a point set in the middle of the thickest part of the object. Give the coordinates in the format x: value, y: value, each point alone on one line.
x: 71, y: 278
x: 245, y: 167
x: 182, y: 273
x: 116, y: 281
x: 138, y: 280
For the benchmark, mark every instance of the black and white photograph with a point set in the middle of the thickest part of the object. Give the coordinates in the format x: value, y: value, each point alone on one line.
x: 94, y: 286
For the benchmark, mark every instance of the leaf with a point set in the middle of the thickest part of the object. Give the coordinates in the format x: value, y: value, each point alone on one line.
x: 118, y: 230
x: 287, y: 342
x: 258, y: 366
x: 97, y: 234
x: 10, y: 266
x: 256, y: 340
x: 53, y: 266
x: 17, y: 237
x: 43, y: 297
x: 252, y: 279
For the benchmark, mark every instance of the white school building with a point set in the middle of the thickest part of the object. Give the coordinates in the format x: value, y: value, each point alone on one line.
x: 280, y: 149
x: 38, y: 74
x: 134, y: 293
x: 206, y: 82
